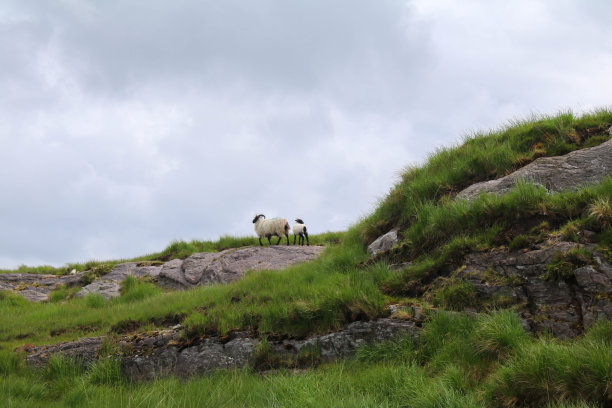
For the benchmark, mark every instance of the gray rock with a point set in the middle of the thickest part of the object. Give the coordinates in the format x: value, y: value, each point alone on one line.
x: 565, y: 308
x: 383, y: 243
x: 37, y: 287
x: 231, y: 264
x: 172, y: 275
x: 108, y: 289
x: 575, y: 169
x: 109, y: 285
x: 163, y: 353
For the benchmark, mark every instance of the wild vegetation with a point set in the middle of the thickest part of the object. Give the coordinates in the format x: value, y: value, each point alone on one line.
x: 463, y: 359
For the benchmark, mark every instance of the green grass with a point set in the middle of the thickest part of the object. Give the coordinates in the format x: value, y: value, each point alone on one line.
x: 175, y: 250
x: 482, y: 156
x: 460, y: 361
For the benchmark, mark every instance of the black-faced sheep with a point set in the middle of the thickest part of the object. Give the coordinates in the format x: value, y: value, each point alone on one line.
x: 277, y: 227
x: 299, y: 230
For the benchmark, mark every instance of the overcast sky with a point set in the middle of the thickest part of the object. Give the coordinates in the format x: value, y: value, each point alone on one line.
x: 127, y: 124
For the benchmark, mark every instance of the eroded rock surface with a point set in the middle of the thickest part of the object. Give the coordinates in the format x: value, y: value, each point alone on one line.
x: 231, y: 264
x: 37, y: 287
x: 163, y: 353
x: 563, y: 307
x: 585, y: 166
x: 198, y: 269
x: 109, y: 285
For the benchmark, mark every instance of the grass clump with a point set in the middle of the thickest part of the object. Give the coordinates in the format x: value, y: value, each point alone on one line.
x: 521, y: 241
x: 456, y: 294
x: 563, y: 265
x: 500, y: 333
x: 551, y: 370
x: 63, y: 292
x: 133, y: 290
x: 483, y: 156
x: 402, y: 349
x: 9, y: 299
x: 95, y: 300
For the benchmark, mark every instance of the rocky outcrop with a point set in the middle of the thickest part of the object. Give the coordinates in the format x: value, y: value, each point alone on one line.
x: 383, y: 243
x: 37, y: 287
x: 564, y: 307
x: 109, y: 285
x: 230, y: 265
x: 151, y: 355
x: 585, y: 166
x: 199, y: 269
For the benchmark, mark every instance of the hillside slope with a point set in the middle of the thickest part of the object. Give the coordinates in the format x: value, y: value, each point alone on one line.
x: 478, y: 286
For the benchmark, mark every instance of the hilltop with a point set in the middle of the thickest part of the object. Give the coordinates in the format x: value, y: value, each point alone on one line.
x: 493, y: 288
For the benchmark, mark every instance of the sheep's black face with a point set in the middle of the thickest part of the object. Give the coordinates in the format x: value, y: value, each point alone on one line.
x: 299, y: 221
x: 257, y: 217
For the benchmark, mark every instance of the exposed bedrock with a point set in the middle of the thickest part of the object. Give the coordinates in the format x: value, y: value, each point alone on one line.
x: 564, y: 307
x: 585, y: 166
x: 198, y: 269
x: 230, y: 265
x: 146, y: 356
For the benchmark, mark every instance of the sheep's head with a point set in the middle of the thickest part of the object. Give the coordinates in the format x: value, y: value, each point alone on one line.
x: 299, y: 221
x: 257, y: 217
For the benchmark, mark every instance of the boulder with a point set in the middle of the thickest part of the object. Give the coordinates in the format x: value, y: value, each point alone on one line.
x: 573, y: 170
x: 383, y: 243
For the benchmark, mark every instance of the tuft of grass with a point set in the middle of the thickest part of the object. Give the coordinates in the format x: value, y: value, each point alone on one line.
x: 63, y: 292
x: 601, y: 211
x: 10, y: 363
x: 548, y: 371
x: 402, y: 349
x: 133, y: 290
x: 500, y: 333
x: 563, y: 265
x: 520, y: 241
x: 10, y: 299
x: 106, y: 371
x: 95, y: 300
x: 456, y: 294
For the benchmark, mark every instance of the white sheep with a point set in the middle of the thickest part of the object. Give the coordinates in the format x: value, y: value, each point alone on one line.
x: 299, y: 230
x: 277, y: 227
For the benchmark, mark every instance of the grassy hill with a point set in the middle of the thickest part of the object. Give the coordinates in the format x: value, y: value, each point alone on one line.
x: 464, y: 359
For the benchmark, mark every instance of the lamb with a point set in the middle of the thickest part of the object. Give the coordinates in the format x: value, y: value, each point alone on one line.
x: 299, y: 230
x: 278, y: 227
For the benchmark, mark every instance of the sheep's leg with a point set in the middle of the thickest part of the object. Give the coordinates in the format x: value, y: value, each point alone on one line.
x: 294, y: 237
x: 260, y: 242
x: 279, y: 238
x: 307, y: 240
x: 269, y: 241
x: 287, y: 236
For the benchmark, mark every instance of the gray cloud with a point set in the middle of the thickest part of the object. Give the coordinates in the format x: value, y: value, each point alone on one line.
x: 125, y: 124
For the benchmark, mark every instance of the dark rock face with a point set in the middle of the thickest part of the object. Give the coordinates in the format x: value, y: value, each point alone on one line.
x: 231, y: 264
x: 383, y: 243
x: 158, y: 354
x: 573, y: 170
x: 36, y: 287
x: 563, y: 307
